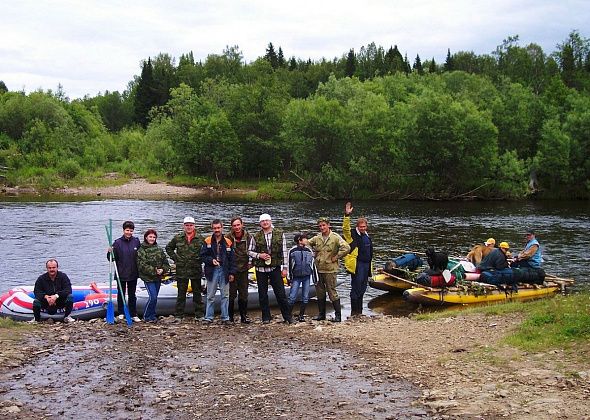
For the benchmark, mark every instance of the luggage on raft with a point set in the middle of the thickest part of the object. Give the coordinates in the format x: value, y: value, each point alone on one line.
x: 398, y: 265
x: 512, y: 276
x: 498, y: 277
x: 528, y: 275
x: 434, y: 278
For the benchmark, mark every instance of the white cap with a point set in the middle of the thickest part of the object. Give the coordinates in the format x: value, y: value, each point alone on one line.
x: 264, y: 216
x: 189, y: 219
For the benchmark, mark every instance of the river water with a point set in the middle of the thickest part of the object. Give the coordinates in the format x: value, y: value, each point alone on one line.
x: 74, y: 232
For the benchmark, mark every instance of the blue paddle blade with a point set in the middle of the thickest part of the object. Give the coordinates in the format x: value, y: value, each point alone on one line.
x: 110, y: 313
x: 127, y: 315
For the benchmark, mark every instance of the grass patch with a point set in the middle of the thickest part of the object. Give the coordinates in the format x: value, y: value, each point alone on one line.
x: 10, y: 324
x: 559, y: 322
x: 276, y: 190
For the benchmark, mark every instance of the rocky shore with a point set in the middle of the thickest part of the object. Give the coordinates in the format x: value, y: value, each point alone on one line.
x: 379, y: 368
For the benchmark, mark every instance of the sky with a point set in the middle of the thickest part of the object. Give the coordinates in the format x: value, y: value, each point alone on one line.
x: 92, y: 46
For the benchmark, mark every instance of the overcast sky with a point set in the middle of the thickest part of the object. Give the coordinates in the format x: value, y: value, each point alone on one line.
x: 91, y: 46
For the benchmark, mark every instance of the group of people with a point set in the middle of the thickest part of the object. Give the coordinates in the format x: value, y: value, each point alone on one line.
x: 226, y: 259
x: 497, y: 263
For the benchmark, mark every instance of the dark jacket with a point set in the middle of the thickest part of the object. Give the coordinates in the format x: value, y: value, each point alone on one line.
x: 125, y: 251
x: 495, y: 260
x: 357, y: 250
x: 186, y: 255
x: 45, y: 286
x: 150, y: 258
x: 224, y: 253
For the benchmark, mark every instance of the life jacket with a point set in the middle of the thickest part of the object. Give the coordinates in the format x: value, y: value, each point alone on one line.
x: 276, y: 248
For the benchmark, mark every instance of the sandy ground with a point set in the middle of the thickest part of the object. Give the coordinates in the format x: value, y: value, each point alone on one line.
x: 135, y: 188
x: 376, y: 368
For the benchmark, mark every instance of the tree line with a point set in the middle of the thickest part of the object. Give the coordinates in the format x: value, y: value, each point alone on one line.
x: 368, y: 124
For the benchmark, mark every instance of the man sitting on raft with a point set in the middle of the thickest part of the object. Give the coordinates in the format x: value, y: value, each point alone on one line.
x: 53, y: 291
x: 495, y: 268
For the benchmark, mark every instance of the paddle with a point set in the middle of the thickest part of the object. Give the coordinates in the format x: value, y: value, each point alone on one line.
x: 109, y: 230
x: 110, y: 308
x: 447, y: 273
x: 125, y: 307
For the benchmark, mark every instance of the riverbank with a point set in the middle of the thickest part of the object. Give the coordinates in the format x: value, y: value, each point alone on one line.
x: 378, y: 367
x: 135, y: 188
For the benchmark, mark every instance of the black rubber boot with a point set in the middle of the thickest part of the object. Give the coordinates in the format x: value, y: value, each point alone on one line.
x: 301, y: 316
x: 337, y: 311
x: 321, y: 310
x: 243, y: 306
x: 230, y: 310
x: 359, y: 306
x: 353, y: 308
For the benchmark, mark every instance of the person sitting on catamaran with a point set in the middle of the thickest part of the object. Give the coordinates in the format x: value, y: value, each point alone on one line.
x: 531, y: 256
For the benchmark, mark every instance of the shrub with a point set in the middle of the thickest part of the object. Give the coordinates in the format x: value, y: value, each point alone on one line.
x: 69, y: 169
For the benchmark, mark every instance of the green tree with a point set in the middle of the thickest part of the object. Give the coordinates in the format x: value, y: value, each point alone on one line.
x: 449, y: 62
x: 553, y: 156
x: 418, y: 65
x: 216, y: 146
x: 145, y: 94
x: 271, y: 56
x: 3, y: 88
x: 350, y: 63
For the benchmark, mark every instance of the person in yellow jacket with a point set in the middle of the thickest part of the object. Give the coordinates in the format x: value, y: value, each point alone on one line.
x: 328, y: 247
x: 358, y: 262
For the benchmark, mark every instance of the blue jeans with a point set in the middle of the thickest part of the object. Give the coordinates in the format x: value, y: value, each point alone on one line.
x: 359, y: 280
x: 217, y: 280
x: 295, y: 282
x: 153, y: 288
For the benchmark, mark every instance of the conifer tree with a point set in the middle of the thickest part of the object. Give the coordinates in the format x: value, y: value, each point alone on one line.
x: 407, y: 67
x: 418, y: 65
x: 292, y: 63
x: 350, y: 63
x: 3, y: 88
x: 449, y: 61
x: 271, y: 56
x: 281, y: 58
x: 432, y: 66
x: 145, y: 97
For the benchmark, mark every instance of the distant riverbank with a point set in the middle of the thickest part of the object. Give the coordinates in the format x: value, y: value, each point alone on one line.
x: 136, y: 188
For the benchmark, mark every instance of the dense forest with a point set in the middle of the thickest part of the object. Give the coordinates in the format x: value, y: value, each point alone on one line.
x: 514, y: 123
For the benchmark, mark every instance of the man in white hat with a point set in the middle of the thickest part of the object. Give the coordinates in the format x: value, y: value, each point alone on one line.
x: 268, y: 250
x: 184, y: 249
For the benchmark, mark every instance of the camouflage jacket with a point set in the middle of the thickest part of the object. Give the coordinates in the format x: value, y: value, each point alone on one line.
x: 186, y: 255
x: 150, y: 258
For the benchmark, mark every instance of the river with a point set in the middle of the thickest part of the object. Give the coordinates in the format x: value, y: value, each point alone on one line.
x: 74, y: 232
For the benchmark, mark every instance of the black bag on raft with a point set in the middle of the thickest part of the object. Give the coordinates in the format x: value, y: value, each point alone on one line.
x: 437, y: 260
x: 528, y: 275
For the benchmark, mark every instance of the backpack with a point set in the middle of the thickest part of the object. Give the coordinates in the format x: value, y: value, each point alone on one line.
x: 301, y: 263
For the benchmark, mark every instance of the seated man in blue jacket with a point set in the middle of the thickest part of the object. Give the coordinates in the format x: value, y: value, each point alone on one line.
x: 495, y: 268
x: 53, y: 291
